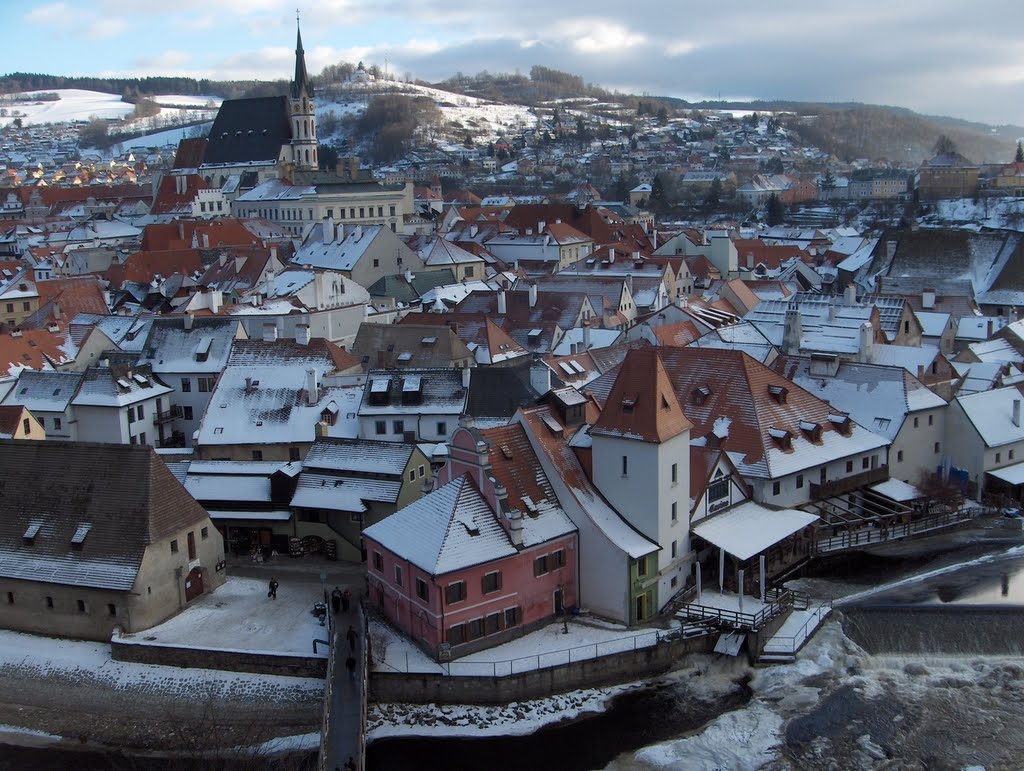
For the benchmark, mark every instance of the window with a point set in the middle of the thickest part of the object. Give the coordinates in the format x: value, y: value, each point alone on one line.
x: 491, y: 582
x: 917, y: 422
x: 641, y: 567
x: 380, y: 427
x: 141, y: 411
x: 799, y: 481
x: 187, y: 413
x: 421, y: 470
x: 849, y: 467
x: 398, y: 575
x: 469, y: 271
x: 931, y: 420
x: 391, y: 210
x: 675, y: 511
x: 864, y: 463
x: 131, y: 414
x: 142, y: 438
x: 673, y: 550
x: 111, y: 609
x: 191, y: 538
x: 540, y: 566
x: 492, y: 623
x: 49, y: 602
x: 376, y: 263
x: 455, y: 592
x: 398, y: 426
x: 205, y: 384
x: 938, y: 448
x: 558, y: 558
x: 442, y: 428
x: 174, y: 546
x: 412, y: 475
x: 899, y: 456
x: 26, y: 426
x: 380, y: 211
x: 82, y: 607
x: 186, y: 385
x: 457, y: 634
x: 475, y: 629
x: 421, y: 590
x: 1009, y: 455
x: 776, y: 488
x: 999, y: 457
x: 511, y: 617
x: 294, y: 453
x: 257, y: 454
x: 718, y: 489
x: 625, y: 465
x: 10, y: 598
x: 362, y: 211
x: 675, y: 473
x: 204, y: 533
x: 10, y: 307
x: 56, y: 424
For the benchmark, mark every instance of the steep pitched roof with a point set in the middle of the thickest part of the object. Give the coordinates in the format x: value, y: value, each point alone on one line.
x: 642, y: 404
x: 249, y: 130
x: 115, y: 499
x: 450, y: 529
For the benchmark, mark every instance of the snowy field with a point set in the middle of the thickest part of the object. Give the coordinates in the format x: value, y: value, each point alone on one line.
x: 240, y: 616
x: 77, y: 104
x: 545, y: 647
x: 168, y: 138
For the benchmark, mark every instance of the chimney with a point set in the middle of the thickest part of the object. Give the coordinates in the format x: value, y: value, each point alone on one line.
x: 409, y: 276
x: 1015, y: 415
x: 515, y: 527
x: 867, y: 342
x: 248, y: 385
x: 206, y: 240
x: 832, y: 308
x: 187, y: 322
x: 792, y: 331
x: 586, y: 336
x: 269, y: 333
x: 223, y: 259
x: 302, y: 334
x: 273, y: 253
x: 329, y: 230
x: 750, y: 260
x: 540, y: 377
x: 465, y: 377
x: 533, y: 295
x: 239, y: 264
x: 216, y: 300
x: 988, y: 329
x: 611, y: 254
x: 312, y: 386
x: 928, y: 299
x: 850, y: 295
x: 502, y: 307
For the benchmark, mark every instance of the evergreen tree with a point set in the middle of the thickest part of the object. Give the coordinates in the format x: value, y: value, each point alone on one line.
x: 714, y: 194
x: 657, y: 192
x: 1019, y: 157
x: 774, y: 210
x: 828, y: 182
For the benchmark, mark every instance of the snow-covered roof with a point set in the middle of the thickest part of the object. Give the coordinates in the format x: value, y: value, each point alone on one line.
x: 44, y: 391
x: 343, y: 492
x: 228, y: 487
x: 932, y: 324
x: 990, y: 412
x: 450, y: 529
x: 1013, y: 475
x: 117, y: 387
x: 898, y: 490
x: 746, y: 530
x: 359, y: 455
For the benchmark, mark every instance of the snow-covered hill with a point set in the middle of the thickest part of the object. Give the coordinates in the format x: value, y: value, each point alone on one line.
x: 77, y: 104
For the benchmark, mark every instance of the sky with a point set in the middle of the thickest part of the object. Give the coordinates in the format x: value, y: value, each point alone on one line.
x: 943, y: 57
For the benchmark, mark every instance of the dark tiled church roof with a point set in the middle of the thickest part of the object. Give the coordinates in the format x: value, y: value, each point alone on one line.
x: 248, y: 130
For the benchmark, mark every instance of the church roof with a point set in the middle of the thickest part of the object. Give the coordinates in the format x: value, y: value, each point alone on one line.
x: 300, y: 83
x: 249, y: 130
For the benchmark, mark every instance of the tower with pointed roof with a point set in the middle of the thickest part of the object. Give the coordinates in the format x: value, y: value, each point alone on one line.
x: 303, y: 112
x: 641, y: 464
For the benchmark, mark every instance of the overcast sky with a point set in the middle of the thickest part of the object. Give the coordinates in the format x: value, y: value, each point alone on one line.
x: 948, y: 57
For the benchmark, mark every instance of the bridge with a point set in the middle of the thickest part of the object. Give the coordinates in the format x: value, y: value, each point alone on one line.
x: 343, y: 730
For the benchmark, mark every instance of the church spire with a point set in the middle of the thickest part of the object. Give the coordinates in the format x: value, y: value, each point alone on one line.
x: 300, y: 83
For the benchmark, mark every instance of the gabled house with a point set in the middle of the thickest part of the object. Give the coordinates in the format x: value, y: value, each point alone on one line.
x: 347, y: 485
x: 16, y: 422
x: 984, y: 447
x: 413, y: 405
x: 485, y: 557
x: 188, y: 353
x: 119, y: 403
x: 48, y: 396
x: 410, y: 346
x: 363, y: 253
x: 82, y: 552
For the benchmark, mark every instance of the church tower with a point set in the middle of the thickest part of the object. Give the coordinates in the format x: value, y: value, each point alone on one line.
x: 304, y: 144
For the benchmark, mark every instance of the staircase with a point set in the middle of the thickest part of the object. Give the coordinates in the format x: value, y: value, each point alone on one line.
x: 802, y: 623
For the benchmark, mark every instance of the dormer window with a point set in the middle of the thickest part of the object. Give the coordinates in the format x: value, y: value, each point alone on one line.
x: 811, y: 429
x: 782, y: 437
x: 778, y: 393
x: 78, y: 539
x: 699, y: 395
x: 629, y: 402
x: 842, y: 423
x: 30, y: 533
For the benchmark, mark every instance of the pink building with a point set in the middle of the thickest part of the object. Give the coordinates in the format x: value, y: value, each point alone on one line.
x: 483, y: 558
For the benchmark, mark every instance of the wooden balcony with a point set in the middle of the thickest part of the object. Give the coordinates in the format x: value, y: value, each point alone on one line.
x: 174, y: 413
x: 849, y: 484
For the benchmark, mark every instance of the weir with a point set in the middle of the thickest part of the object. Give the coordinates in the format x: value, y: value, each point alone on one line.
x: 936, y: 629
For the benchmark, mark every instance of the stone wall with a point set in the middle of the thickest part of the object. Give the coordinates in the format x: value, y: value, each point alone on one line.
x: 207, y: 658
x: 424, y: 688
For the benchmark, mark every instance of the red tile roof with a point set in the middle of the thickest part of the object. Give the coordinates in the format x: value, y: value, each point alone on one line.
x: 642, y: 404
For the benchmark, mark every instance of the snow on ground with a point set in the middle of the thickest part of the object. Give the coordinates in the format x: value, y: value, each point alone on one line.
x: 514, y: 719
x: 179, y: 100
x: 240, y: 616
x: 74, y: 104
x: 992, y: 212
x: 286, y: 744
x: 170, y: 137
x: 545, y: 647
x: 89, y: 662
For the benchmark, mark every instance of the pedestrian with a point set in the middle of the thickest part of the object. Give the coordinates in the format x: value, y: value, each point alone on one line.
x: 352, y: 635
x: 272, y: 587
x: 346, y: 600
x: 336, y: 600
x: 350, y: 665
x: 350, y: 764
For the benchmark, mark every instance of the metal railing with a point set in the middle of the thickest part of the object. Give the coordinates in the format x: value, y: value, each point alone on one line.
x: 508, y: 667
x: 866, y: 536
x: 790, y: 644
x: 174, y: 413
x: 774, y: 606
